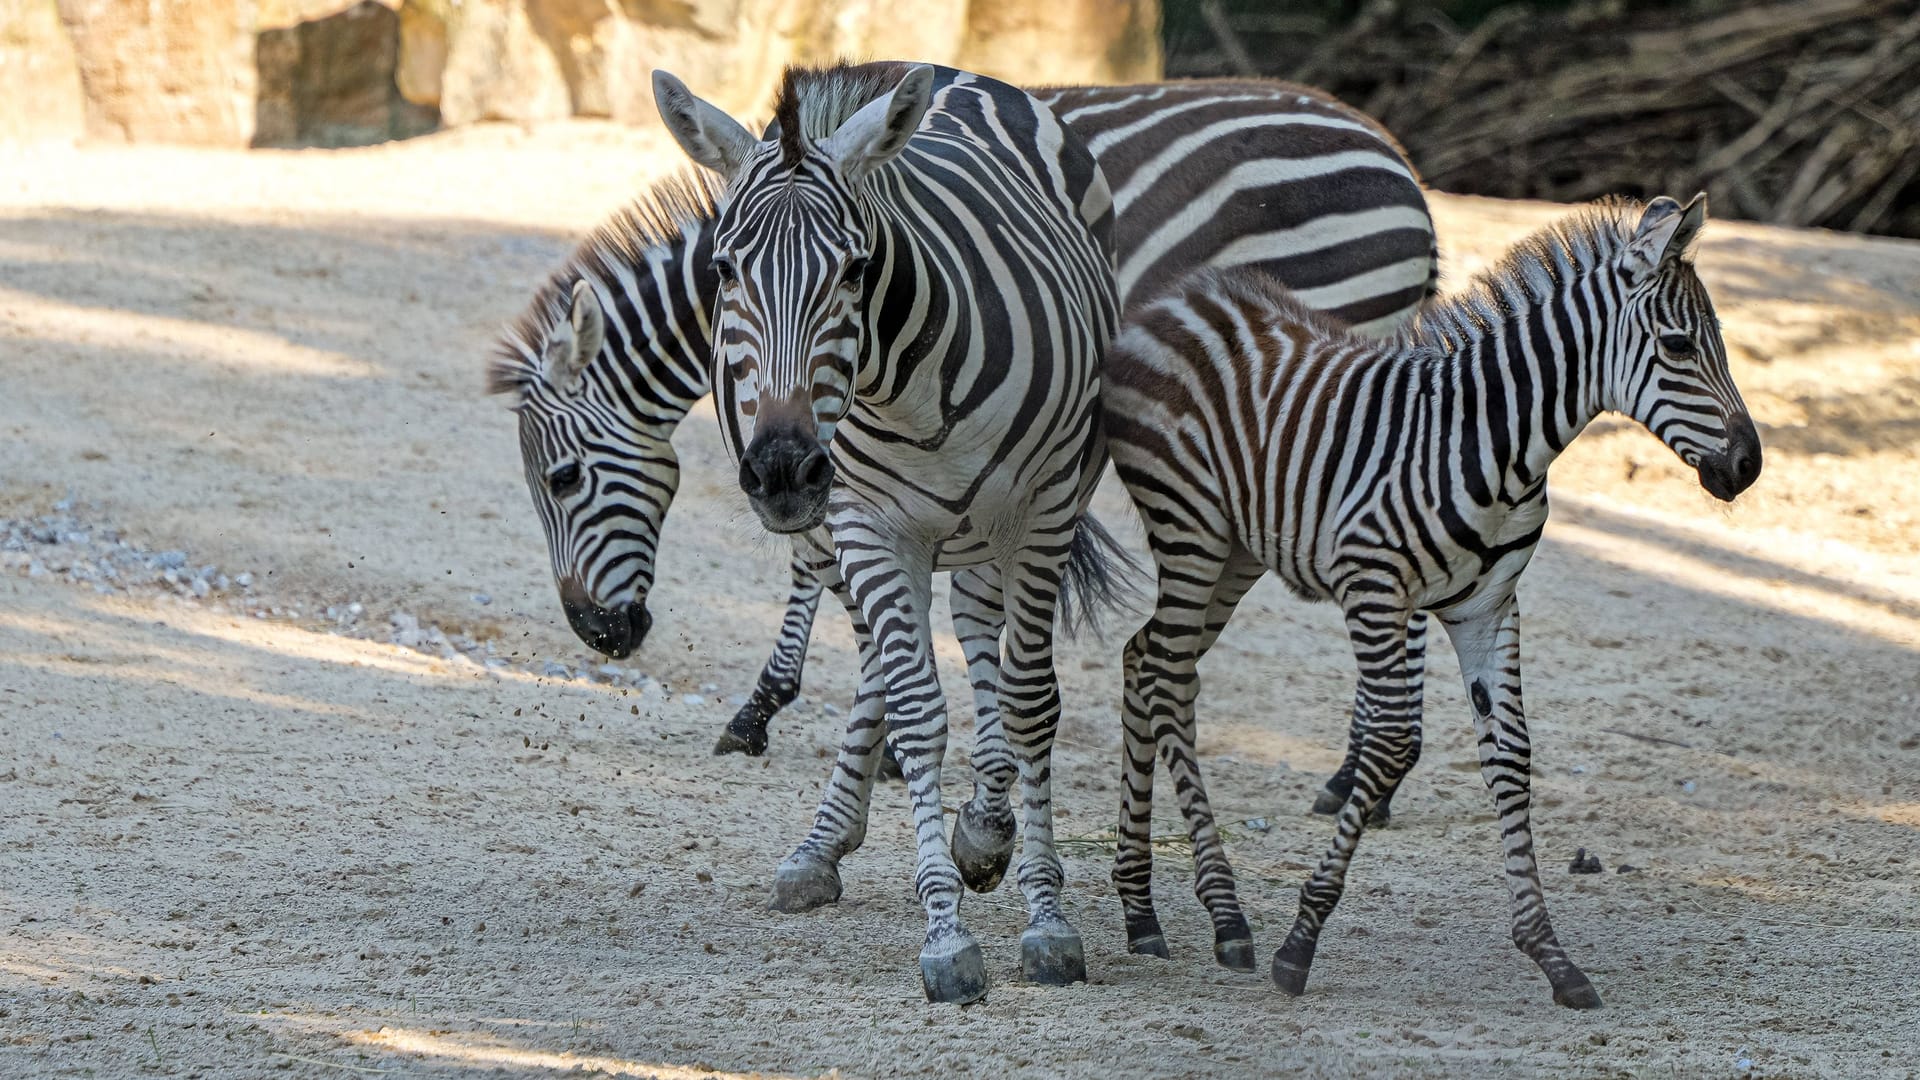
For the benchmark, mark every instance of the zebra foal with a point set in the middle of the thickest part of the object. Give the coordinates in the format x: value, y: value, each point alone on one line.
x: 915, y: 289
x: 1394, y: 478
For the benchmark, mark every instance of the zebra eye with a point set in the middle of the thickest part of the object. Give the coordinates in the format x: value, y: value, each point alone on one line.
x: 724, y: 267
x: 1677, y: 344
x: 564, y: 480
x: 855, y: 272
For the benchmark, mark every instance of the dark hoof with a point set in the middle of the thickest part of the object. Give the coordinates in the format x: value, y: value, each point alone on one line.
x: 1234, y: 954
x: 1052, y: 956
x: 729, y: 743
x: 957, y: 974
x: 1577, y: 994
x: 802, y: 885
x: 1144, y: 937
x: 982, y: 847
x: 1328, y: 803
x: 1150, y: 945
x: 889, y: 765
x: 1290, y: 978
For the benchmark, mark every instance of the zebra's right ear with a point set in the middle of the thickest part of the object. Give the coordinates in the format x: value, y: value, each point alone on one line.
x: 574, y: 344
x: 708, y: 135
x: 872, y: 136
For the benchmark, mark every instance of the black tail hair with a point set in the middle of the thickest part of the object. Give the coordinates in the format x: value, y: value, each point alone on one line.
x: 1101, y: 578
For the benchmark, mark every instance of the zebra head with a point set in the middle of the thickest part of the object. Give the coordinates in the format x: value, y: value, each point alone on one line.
x: 1672, y: 374
x: 796, y: 250
x: 600, y: 484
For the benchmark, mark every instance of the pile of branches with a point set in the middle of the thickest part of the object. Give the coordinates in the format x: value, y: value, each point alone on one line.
x: 1804, y: 112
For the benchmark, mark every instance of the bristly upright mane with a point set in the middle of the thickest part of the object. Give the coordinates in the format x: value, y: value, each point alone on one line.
x: 659, y: 216
x: 814, y: 102
x: 1529, y: 272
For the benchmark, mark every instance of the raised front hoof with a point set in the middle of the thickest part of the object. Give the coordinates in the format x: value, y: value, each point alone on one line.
x: 803, y: 886
x: 982, y: 847
x: 1576, y: 993
x: 955, y: 975
x: 1290, y: 978
x: 1145, y: 939
x: 1052, y: 956
x: 1234, y: 954
x: 752, y: 744
x: 1328, y: 803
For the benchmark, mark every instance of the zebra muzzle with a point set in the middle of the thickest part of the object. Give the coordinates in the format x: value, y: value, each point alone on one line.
x: 614, y: 632
x: 786, y: 475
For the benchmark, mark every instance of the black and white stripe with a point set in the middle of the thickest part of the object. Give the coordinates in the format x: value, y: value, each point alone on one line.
x: 1394, y: 478
x: 915, y: 293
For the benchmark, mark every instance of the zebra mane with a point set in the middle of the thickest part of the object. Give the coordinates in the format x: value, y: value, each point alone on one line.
x: 1531, y: 271
x: 814, y: 102
x: 659, y: 217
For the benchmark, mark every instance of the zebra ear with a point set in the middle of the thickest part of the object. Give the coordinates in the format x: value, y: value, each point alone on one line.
x: 881, y: 128
x: 708, y: 135
x: 1665, y: 235
x: 575, y: 343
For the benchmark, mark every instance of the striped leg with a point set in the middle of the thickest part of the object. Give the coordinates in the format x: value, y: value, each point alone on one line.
x: 779, y: 681
x: 1377, y: 626
x: 1489, y: 649
x: 810, y: 877
x: 983, y: 830
x: 1340, y: 785
x: 1050, y: 948
x: 1160, y: 688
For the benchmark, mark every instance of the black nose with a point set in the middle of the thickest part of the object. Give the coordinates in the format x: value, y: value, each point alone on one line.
x: 1726, y: 475
x: 787, y: 475
x: 615, y: 632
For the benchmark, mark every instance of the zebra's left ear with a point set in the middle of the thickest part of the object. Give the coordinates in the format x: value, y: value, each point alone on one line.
x: 872, y: 136
x: 575, y: 343
x: 1665, y: 235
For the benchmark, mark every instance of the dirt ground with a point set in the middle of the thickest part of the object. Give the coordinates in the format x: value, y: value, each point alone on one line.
x: 247, y: 834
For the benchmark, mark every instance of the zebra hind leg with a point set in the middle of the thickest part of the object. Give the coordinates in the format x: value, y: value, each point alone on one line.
x: 1377, y: 627
x: 1489, y: 650
x: 1051, y: 951
x: 983, y: 830
x: 1339, y: 786
x: 779, y: 681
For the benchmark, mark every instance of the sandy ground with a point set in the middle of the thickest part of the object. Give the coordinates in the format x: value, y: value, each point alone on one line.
x: 235, y: 842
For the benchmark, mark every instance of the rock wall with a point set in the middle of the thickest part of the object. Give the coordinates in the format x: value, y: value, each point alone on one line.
x: 337, y: 72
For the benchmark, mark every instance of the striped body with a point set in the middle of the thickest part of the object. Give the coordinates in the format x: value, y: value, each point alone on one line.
x: 1394, y: 478
x: 915, y: 294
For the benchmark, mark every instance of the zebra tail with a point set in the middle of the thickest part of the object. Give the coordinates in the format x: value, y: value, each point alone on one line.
x: 1101, y: 579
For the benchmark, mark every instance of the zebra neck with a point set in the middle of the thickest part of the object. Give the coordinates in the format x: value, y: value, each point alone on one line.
x: 660, y: 337
x: 1523, y: 386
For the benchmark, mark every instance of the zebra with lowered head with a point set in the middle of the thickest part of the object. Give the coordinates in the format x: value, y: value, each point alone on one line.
x: 915, y: 292
x: 1393, y: 478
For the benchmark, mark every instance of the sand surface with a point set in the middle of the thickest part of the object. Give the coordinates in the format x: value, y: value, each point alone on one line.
x: 247, y: 834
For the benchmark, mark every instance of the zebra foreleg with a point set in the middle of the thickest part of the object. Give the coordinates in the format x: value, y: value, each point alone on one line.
x: 779, y: 681
x: 1050, y: 948
x: 1377, y: 627
x: 1489, y: 649
x: 983, y: 830
x: 810, y: 877
x: 1340, y: 785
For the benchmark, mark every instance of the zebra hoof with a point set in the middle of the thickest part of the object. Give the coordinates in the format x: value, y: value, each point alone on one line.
x: 752, y: 744
x: 1052, y: 956
x: 1233, y: 947
x: 1576, y: 993
x: 1328, y: 802
x: 1290, y: 978
x: 1145, y: 939
x: 955, y: 973
x: 802, y: 885
x: 982, y: 847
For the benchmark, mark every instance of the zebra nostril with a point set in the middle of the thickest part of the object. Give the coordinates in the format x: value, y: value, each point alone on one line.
x: 750, y: 477
x: 817, y: 470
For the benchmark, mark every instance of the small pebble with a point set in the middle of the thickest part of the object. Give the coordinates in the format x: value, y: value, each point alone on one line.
x: 1584, y: 863
x: 692, y: 699
x: 482, y: 599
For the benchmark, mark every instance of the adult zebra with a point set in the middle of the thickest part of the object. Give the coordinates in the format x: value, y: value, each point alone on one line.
x: 1393, y: 478
x: 916, y: 273
x: 1216, y: 172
